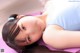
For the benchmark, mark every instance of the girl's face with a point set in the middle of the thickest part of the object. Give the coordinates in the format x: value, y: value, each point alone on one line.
x: 31, y: 29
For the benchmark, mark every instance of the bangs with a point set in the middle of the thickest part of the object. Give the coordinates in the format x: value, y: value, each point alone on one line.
x: 13, y: 31
x: 10, y: 31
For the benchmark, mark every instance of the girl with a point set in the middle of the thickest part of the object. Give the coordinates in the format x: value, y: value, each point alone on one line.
x: 58, y: 27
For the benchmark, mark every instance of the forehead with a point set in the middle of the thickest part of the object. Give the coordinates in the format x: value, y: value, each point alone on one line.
x: 27, y: 19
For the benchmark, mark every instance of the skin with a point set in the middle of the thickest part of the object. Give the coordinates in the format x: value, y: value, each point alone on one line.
x: 54, y: 35
x: 31, y: 30
x: 59, y: 38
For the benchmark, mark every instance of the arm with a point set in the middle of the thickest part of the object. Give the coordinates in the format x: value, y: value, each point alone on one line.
x: 57, y: 37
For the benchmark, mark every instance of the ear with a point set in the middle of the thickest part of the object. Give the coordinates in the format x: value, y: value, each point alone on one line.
x: 20, y: 16
x: 13, y: 16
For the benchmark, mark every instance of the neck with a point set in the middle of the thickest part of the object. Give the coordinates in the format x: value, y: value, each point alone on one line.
x: 43, y: 18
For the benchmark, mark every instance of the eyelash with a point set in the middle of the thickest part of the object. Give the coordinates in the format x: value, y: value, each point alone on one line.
x: 23, y: 28
x: 21, y: 41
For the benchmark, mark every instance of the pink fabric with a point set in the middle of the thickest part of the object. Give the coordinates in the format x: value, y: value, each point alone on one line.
x: 6, y: 48
x: 73, y: 50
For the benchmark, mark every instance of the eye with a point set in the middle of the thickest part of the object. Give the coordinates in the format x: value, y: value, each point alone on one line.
x: 20, y: 41
x: 24, y: 28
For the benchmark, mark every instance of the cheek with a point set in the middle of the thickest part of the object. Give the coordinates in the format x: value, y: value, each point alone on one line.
x: 36, y: 37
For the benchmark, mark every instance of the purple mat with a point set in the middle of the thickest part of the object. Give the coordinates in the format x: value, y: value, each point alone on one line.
x: 10, y: 50
x: 73, y: 50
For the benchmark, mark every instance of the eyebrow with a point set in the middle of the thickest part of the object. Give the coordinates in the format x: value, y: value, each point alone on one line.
x: 20, y: 26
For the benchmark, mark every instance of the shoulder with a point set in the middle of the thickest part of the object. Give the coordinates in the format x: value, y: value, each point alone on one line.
x: 50, y: 35
x: 50, y: 31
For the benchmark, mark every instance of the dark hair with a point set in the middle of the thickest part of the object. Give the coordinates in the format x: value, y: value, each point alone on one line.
x: 35, y: 48
x: 10, y: 31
